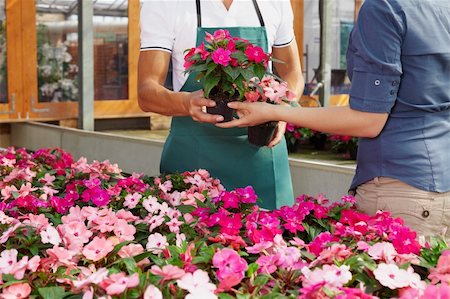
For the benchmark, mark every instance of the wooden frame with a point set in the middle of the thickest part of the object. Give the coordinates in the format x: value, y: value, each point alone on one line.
x: 14, y: 108
x: 34, y: 110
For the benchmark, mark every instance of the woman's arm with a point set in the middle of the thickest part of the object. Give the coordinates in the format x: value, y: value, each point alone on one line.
x: 340, y: 120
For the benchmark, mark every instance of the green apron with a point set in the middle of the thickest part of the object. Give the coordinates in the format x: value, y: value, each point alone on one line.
x: 226, y: 153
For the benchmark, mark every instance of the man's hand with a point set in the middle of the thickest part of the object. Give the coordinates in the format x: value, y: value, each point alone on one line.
x: 197, y: 104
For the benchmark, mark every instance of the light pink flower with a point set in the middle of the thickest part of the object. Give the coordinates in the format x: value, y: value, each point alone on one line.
x: 391, y: 276
x: 48, y: 179
x: 168, y: 272
x: 26, y: 189
x: 61, y: 256
x: 117, y: 283
x: 156, y: 243
x: 152, y: 292
x: 50, y: 235
x: 124, y: 231
x: 97, y: 249
x: 16, y: 291
x: 8, y: 259
x: 131, y: 200
x: 151, y: 204
x: 383, y: 251
x: 8, y: 191
x: 199, y: 280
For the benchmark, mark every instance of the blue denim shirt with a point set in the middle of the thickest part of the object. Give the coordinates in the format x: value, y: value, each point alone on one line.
x: 399, y: 63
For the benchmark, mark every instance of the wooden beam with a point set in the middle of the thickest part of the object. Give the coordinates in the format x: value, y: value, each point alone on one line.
x: 298, y: 9
x: 358, y: 4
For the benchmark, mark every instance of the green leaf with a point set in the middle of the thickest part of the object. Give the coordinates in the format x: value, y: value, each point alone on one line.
x: 247, y: 74
x: 261, y: 280
x: 209, y: 82
x: 211, y: 67
x: 252, y: 269
x: 259, y: 70
x: 232, y: 72
x: 225, y: 296
x: 186, y: 209
x: 52, y: 292
x: 130, y: 264
x: 243, y: 296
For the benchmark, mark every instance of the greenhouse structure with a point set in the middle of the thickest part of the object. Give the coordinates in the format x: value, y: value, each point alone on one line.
x: 86, y: 210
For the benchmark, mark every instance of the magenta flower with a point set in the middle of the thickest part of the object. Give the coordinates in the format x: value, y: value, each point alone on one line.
x: 256, y: 54
x: 229, y: 263
x: 221, y: 56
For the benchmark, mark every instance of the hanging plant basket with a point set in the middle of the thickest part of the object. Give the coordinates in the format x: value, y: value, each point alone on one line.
x: 261, y: 135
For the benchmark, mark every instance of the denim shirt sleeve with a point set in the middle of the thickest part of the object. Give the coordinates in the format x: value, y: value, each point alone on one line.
x: 373, y: 57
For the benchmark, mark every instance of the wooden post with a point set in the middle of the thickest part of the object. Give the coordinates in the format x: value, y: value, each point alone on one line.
x: 358, y: 4
x: 298, y: 9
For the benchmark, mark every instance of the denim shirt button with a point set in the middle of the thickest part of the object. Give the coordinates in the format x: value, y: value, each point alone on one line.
x: 394, y: 83
x: 377, y: 82
x: 392, y: 92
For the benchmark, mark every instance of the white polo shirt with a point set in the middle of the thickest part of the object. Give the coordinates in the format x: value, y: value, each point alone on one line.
x: 171, y: 25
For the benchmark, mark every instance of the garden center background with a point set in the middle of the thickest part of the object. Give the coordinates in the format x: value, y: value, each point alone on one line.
x: 68, y: 79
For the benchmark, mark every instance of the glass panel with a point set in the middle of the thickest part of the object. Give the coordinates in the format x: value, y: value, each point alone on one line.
x: 111, y: 57
x: 3, y: 73
x: 343, y: 15
x: 57, y: 51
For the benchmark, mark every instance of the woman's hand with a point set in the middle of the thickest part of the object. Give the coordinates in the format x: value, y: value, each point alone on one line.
x: 197, y: 104
x: 250, y: 114
x: 279, y: 134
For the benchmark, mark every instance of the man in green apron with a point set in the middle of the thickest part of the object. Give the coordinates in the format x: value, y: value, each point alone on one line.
x: 170, y: 27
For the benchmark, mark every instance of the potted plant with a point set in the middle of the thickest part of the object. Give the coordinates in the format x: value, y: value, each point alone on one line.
x: 224, y: 63
x: 270, y: 90
x: 295, y: 136
x: 346, y: 145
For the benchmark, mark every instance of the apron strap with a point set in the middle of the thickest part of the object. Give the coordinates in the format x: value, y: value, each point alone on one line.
x: 199, y: 13
x: 258, y: 12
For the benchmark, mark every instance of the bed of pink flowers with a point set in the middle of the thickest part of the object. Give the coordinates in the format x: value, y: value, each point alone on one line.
x: 73, y: 229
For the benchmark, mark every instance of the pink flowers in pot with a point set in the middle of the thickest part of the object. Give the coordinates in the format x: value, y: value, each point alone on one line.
x: 268, y: 89
x: 225, y: 62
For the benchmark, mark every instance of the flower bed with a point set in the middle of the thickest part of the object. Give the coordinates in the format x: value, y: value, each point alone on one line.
x: 70, y: 229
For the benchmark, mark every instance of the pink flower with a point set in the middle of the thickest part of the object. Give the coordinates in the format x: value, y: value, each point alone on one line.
x: 156, y: 243
x: 98, y: 249
x: 16, y: 291
x: 202, y: 51
x: 117, y: 283
x: 168, y: 272
x: 61, y: 256
x: 152, y: 292
x: 131, y: 200
x: 221, y: 34
x: 442, y: 271
x: 267, y: 264
x: 383, y: 251
x: 391, y: 276
x: 437, y: 292
x: 193, y: 282
x: 252, y: 96
x: 124, y: 231
x: 7, y: 191
x: 221, y: 56
x: 228, y: 263
x: 50, y: 235
x: 256, y: 54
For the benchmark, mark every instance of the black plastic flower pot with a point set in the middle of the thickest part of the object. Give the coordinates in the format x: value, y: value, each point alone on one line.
x: 221, y: 108
x: 262, y: 134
